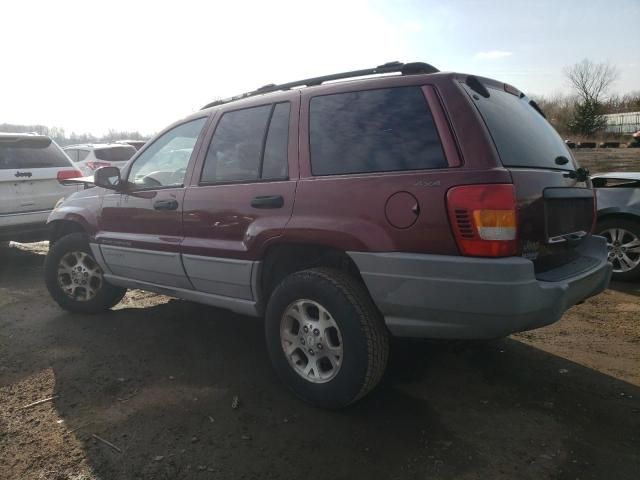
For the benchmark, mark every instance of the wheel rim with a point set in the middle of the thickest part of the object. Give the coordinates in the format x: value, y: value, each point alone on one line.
x: 79, y: 276
x: 623, y: 249
x: 311, y: 341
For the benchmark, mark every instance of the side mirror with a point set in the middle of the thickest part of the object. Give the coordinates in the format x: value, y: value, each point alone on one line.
x: 107, y: 177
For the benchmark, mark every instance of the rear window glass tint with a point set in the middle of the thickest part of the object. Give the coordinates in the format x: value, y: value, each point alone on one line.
x: 522, y: 136
x: 275, y: 151
x: 26, y: 154
x: 373, y: 131
x: 236, y: 146
x: 115, y: 154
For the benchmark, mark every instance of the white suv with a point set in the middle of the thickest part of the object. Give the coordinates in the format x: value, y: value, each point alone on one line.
x: 32, y: 169
x: 91, y: 156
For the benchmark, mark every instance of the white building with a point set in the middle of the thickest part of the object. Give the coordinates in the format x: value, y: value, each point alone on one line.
x: 623, y: 122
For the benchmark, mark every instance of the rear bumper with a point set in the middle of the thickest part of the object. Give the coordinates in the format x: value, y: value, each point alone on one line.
x: 438, y: 296
x: 24, y: 227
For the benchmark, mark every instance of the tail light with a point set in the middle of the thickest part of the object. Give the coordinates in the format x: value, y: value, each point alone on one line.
x: 483, y: 218
x: 67, y: 174
x: 97, y: 165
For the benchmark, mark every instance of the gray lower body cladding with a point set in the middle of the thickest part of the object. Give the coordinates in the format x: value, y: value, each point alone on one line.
x: 221, y: 282
x: 455, y: 297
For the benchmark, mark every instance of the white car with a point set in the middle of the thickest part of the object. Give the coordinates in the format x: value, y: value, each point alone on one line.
x: 137, y: 144
x: 91, y: 156
x: 32, y: 171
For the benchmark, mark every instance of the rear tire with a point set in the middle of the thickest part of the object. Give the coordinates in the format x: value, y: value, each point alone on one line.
x: 626, y: 232
x: 347, y: 354
x: 74, y: 279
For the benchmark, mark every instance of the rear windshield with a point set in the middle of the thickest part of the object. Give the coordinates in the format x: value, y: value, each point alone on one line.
x: 373, y: 131
x: 115, y: 154
x: 31, y: 153
x: 522, y: 136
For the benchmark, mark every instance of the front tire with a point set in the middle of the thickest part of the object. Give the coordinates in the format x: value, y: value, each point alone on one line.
x: 326, y: 338
x: 75, y: 280
x: 623, y: 244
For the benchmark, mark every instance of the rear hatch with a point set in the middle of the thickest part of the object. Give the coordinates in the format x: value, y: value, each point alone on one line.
x: 29, y: 170
x: 555, y: 201
x: 109, y: 156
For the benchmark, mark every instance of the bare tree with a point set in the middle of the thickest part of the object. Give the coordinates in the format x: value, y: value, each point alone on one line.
x: 591, y: 80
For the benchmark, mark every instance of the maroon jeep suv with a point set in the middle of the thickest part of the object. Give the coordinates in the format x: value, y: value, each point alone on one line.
x: 414, y: 203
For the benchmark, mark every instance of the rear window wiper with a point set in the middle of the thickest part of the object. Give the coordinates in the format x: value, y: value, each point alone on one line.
x: 537, y: 108
x: 581, y: 174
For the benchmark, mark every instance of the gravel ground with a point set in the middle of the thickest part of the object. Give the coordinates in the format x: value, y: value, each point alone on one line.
x: 157, y: 379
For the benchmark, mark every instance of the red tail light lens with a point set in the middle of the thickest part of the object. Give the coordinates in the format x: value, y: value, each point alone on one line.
x: 66, y: 174
x: 97, y: 165
x: 483, y: 219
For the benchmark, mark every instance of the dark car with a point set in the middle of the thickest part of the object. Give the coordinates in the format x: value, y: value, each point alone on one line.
x: 618, y: 196
x: 416, y: 204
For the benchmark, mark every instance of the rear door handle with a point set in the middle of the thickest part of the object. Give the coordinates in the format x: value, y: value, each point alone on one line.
x: 165, y: 204
x: 268, y: 201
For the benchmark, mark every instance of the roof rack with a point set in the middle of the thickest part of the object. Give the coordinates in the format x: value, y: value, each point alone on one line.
x: 413, y: 68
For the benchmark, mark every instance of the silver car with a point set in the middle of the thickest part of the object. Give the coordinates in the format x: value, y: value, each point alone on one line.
x: 618, y: 195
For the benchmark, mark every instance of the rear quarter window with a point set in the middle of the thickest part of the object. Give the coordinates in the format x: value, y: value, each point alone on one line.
x: 522, y: 136
x: 26, y: 154
x: 373, y: 131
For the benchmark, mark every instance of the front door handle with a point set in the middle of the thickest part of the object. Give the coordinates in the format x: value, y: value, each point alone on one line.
x: 165, y: 205
x: 268, y: 201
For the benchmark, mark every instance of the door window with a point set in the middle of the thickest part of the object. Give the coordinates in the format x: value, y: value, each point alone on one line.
x: 275, y: 165
x: 248, y: 145
x: 164, y: 163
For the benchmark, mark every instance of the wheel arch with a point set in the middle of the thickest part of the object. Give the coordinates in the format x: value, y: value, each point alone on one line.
x: 60, y: 228
x: 282, y: 259
x: 618, y: 213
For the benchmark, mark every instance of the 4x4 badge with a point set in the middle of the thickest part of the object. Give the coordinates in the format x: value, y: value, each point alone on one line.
x: 23, y: 174
x: 425, y: 183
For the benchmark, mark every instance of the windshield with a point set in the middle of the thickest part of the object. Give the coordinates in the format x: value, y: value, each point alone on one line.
x: 522, y: 136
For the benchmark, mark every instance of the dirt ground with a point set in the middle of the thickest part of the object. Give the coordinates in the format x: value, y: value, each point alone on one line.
x: 157, y: 377
x: 599, y: 160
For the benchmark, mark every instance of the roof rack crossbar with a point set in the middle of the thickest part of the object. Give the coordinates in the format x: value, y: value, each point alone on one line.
x: 391, y: 67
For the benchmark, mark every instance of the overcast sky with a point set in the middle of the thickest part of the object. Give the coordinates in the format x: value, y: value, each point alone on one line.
x: 88, y: 66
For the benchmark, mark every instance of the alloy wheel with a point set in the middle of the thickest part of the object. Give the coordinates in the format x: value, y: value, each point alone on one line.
x: 79, y: 276
x: 623, y: 249
x: 311, y: 341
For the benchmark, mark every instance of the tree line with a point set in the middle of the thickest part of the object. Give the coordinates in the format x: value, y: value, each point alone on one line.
x: 62, y: 138
x: 581, y: 111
